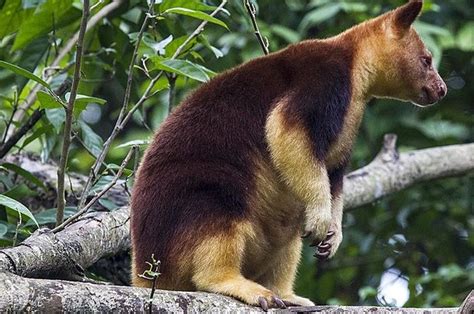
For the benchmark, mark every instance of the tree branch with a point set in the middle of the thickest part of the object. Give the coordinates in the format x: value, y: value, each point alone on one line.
x: 18, y: 294
x: 252, y: 11
x: 391, y: 172
x: 61, y: 201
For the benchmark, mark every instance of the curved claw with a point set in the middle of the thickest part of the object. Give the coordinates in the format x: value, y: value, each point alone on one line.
x: 321, y: 255
x: 324, y: 246
x: 279, y: 302
x: 263, y: 303
x: 330, y: 235
x: 306, y: 234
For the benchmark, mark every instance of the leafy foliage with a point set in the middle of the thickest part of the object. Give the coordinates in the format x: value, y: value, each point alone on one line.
x: 425, y: 233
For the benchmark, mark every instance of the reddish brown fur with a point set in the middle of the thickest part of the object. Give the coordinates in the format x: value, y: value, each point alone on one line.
x: 209, y: 180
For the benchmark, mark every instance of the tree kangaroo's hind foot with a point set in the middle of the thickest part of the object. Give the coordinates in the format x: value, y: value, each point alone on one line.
x: 235, y: 285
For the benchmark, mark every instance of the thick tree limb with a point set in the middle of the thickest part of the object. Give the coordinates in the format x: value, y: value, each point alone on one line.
x: 18, y: 294
x: 67, y: 253
x: 391, y: 172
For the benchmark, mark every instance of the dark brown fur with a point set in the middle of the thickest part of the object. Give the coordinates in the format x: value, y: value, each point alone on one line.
x: 198, y: 172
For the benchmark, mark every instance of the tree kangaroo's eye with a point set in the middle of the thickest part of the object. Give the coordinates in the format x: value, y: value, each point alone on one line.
x: 427, y: 61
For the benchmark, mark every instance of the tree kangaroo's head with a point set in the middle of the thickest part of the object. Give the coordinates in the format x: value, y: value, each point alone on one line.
x: 403, y: 66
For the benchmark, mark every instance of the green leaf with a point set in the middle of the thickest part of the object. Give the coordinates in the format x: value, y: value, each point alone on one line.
x: 47, y: 101
x: 36, y: 134
x: 182, y: 67
x: 110, y: 205
x: 81, y: 102
x: 465, y: 37
x: 189, y: 4
x: 430, y: 29
x: 3, y: 229
x: 196, y: 14
x: 25, y: 174
x: 57, y: 117
x: 20, y: 191
x: 52, y: 14
x: 319, y: 15
x: 215, y: 51
x: 287, y: 34
x: 173, y: 45
x: 83, y: 99
x: 48, y: 216
x: 20, y: 71
x: 101, y: 184
x: 134, y: 142
x: 92, y: 141
x: 17, y: 206
x: 12, y: 15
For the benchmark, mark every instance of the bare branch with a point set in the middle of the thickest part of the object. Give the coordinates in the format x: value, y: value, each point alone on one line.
x: 252, y: 11
x: 69, y: 114
x: 390, y: 171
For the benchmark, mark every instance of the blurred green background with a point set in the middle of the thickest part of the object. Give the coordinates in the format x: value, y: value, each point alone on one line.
x: 414, y: 248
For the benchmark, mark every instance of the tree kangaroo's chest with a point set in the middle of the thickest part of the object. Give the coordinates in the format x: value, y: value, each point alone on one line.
x: 340, y: 149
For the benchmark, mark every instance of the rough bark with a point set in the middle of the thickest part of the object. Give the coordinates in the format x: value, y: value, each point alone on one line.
x: 18, y: 294
x: 391, y: 171
x: 67, y: 253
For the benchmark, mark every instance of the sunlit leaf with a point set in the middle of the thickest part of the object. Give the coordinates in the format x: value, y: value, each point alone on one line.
x: 134, y: 142
x: 196, y: 14
x: 189, y: 4
x: 50, y: 15
x: 47, y: 101
x: 182, y: 67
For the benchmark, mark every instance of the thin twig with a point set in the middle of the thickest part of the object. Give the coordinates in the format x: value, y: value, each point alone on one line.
x: 69, y: 115
x: 263, y: 41
x: 100, y: 194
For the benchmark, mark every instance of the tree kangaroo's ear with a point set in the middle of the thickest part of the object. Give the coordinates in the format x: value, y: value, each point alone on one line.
x: 404, y: 16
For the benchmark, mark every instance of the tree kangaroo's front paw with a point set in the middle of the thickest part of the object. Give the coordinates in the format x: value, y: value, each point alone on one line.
x: 328, y: 247
x: 318, y: 221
